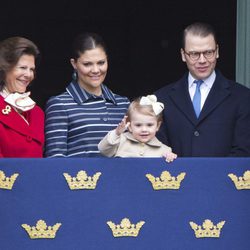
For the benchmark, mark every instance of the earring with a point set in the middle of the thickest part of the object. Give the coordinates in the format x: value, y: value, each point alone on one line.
x: 74, y: 76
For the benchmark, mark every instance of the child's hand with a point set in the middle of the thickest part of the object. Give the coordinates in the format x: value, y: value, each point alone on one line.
x: 170, y: 156
x: 122, y: 126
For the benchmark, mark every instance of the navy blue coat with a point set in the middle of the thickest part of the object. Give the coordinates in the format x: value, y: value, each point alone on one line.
x: 223, y: 127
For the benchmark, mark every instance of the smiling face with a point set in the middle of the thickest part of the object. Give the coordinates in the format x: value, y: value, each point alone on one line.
x: 91, y: 68
x: 143, y: 126
x: 19, y: 77
x: 202, y: 67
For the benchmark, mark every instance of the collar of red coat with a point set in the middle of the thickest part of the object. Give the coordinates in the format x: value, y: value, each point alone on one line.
x: 10, y: 118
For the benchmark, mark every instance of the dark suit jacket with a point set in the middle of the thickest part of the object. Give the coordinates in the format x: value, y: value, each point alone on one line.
x: 223, y: 127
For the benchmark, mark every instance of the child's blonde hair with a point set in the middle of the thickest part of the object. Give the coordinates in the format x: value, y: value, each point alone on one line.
x: 143, y: 109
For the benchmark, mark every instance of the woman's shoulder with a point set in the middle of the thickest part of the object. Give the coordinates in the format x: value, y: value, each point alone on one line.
x: 57, y: 102
x: 37, y: 111
x: 120, y: 97
x: 61, y: 98
x: 121, y: 101
x: 117, y: 97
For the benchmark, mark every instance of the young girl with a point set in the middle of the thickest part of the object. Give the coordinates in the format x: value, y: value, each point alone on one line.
x: 143, y: 120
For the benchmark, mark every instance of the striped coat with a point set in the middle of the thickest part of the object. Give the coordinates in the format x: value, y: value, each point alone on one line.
x: 76, y: 121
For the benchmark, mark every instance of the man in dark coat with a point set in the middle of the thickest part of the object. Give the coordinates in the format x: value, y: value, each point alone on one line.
x: 205, y: 114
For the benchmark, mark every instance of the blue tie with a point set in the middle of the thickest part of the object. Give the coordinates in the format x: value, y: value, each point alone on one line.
x: 197, y: 98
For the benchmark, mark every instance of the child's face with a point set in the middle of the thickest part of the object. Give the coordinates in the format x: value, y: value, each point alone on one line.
x: 143, y: 127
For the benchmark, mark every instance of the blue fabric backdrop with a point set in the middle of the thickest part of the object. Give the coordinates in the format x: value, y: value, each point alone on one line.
x: 41, y: 192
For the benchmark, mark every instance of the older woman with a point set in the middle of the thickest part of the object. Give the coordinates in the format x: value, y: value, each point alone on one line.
x: 21, y: 120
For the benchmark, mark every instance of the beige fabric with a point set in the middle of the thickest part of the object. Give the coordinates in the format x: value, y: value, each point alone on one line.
x: 20, y: 101
x: 126, y: 146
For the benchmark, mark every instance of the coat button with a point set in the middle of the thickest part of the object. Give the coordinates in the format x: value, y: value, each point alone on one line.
x: 105, y: 119
x: 196, y: 133
x: 28, y: 138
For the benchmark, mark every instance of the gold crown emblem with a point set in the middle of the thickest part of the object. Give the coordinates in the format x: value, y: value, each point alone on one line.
x: 242, y: 182
x: 82, y: 180
x: 166, y: 181
x: 7, y: 182
x: 208, y: 229
x: 125, y: 228
x: 41, y: 230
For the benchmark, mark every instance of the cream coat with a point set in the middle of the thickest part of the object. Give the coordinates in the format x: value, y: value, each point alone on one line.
x: 126, y: 146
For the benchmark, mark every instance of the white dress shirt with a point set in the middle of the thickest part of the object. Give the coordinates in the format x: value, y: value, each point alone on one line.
x: 204, y: 88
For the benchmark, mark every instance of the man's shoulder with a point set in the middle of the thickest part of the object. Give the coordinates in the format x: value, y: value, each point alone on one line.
x: 174, y: 84
x: 167, y: 88
x: 232, y: 84
x: 239, y: 89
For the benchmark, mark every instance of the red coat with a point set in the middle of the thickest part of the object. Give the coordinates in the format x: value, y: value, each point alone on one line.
x: 17, y: 138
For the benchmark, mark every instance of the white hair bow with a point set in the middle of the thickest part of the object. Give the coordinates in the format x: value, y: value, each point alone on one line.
x: 152, y: 100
